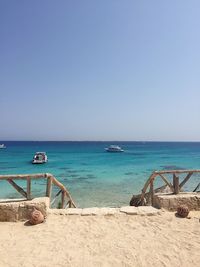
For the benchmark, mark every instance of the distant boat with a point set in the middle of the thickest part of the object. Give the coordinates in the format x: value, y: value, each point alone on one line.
x: 39, y: 158
x: 2, y: 146
x: 114, y: 148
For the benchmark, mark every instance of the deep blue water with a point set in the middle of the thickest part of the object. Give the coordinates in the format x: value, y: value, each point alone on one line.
x: 93, y: 176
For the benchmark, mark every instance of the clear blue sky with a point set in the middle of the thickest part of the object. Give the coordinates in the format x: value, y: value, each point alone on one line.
x: 100, y: 70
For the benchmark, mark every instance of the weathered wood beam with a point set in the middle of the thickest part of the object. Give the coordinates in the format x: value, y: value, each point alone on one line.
x: 63, y: 199
x: 49, y: 186
x: 24, y: 176
x: 152, y: 176
x: 68, y: 204
x: 28, y: 189
x: 196, y: 188
x: 166, y: 181
x: 186, y: 179
x: 176, y: 171
x: 17, y: 187
x: 176, y: 184
x: 152, y: 193
x: 52, y: 202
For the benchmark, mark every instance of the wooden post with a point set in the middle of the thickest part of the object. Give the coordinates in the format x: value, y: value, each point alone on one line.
x: 152, y: 193
x: 152, y: 176
x: 176, y: 183
x: 63, y: 200
x: 48, y: 188
x: 28, y: 189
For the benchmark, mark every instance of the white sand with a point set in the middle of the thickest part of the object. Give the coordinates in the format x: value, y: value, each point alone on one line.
x: 119, y: 240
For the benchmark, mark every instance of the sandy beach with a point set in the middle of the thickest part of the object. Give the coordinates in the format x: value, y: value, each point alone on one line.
x: 117, y: 240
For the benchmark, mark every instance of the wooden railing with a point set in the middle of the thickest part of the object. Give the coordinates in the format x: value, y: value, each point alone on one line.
x: 66, y: 199
x: 175, y: 187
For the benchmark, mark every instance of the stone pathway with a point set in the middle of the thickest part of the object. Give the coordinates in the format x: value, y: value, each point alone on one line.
x: 143, y: 211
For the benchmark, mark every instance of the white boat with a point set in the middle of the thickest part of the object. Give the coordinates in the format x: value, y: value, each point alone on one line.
x: 40, y: 157
x: 114, y: 148
x: 2, y: 146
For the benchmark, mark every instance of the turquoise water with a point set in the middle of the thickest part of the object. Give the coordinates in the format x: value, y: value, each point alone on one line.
x: 93, y: 176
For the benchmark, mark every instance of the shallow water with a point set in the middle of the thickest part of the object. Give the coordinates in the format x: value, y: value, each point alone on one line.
x: 93, y: 176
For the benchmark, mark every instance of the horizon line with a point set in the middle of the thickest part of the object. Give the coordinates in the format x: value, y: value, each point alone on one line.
x: 184, y: 141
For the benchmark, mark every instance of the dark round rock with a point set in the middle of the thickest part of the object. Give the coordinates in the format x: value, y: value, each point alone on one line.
x: 183, y: 211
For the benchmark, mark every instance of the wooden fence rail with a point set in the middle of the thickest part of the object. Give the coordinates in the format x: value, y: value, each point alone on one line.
x: 66, y: 199
x: 175, y: 187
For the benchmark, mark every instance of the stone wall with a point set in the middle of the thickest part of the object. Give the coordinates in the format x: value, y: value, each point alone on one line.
x: 171, y: 201
x: 21, y: 210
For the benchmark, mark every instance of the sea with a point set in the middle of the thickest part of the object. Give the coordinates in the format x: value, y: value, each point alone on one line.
x: 94, y: 177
